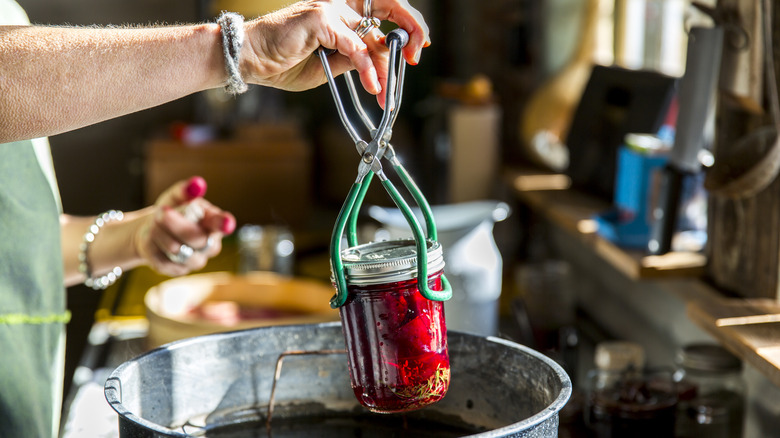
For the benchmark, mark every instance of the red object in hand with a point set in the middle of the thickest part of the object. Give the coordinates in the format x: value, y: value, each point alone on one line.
x: 396, y: 343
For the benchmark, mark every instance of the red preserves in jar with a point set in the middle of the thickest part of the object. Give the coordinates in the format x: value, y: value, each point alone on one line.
x: 396, y: 338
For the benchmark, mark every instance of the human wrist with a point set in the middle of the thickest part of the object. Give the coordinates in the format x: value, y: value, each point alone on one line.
x: 208, y: 49
x: 139, y: 225
x: 232, y: 32
x: 251, y: 61
x: 86, y: 256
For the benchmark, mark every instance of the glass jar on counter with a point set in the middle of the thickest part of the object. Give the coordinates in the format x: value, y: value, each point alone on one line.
x: 269, y: 248
x: 625, y: 399
x: 396, y: 338
x: 712, y: 393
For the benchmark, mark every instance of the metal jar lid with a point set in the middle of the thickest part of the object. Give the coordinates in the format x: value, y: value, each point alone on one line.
x: 709, y: 358
x: 388, y: 261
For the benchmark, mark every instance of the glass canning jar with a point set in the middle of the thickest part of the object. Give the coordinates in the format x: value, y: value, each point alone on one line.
x: 396, y: 338
x: 625, y: 399
x: 712, y: 393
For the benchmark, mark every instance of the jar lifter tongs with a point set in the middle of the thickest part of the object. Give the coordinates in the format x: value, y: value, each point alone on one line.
x: 371, y: 153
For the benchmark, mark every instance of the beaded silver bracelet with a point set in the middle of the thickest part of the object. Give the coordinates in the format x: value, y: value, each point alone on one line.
x: 232, y: 27
x: 112, y: 276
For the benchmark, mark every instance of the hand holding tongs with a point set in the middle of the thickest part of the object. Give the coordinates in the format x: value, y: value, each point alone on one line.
x: 371, y: 153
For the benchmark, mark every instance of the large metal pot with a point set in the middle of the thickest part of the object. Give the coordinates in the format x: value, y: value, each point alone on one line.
x: 220, y: 385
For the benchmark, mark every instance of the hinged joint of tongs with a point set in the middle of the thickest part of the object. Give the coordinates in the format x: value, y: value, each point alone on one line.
x: 371, y: 154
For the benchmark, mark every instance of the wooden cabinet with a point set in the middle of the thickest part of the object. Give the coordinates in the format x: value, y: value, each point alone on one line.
x: 262, y: 175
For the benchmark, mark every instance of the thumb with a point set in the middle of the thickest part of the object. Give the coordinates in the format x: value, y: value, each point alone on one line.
x: 182, y: 192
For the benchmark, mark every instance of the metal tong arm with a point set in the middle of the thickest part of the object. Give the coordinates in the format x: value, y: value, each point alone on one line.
x: 379, y: 146
x: 390, y: 153
x: 409, y: 183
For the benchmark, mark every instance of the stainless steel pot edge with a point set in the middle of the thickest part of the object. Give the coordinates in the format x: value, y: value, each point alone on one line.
x: 529, y: 426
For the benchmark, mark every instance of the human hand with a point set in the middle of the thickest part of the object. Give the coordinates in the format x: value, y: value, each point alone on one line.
x: 279, y: 48
x: 168, y: 234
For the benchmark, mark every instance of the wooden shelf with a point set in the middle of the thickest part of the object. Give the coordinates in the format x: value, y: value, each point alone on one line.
x: 749, y: 328
x: 551, y: 195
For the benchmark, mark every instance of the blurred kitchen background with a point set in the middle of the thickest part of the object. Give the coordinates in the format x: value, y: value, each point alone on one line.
x: 520, y: 109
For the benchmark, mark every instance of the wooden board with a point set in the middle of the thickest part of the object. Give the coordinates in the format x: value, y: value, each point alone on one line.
x: 749, y: 328
x: 262, y: 175
x: 744, y: 237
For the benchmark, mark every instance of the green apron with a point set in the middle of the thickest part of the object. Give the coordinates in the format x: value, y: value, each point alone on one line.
x: 32, y: 296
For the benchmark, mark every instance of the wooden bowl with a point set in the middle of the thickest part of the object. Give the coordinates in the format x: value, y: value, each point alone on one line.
x: 201, y: 304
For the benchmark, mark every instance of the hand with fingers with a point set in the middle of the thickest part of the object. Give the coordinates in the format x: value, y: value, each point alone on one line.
x: 279, y: 48
x: 184, y: 231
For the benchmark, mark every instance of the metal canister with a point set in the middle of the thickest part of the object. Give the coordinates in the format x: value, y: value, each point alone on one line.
x: 396, y: 338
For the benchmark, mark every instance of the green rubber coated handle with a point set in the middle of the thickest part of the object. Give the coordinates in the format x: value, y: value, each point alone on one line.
x: 337, y: 265
x: 352, y: 239
x: 347, y: 220
x: 425, y: 208
x: 427, y: 213
x: 422, y: 248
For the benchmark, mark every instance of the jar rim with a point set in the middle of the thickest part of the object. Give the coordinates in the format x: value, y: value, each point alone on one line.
x: 708, y: 358
x: 388, y: 261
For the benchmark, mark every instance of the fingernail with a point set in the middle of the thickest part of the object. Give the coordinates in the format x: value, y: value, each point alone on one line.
x: 196, y: 187
x: 228, y: 225
x: 417, y: 57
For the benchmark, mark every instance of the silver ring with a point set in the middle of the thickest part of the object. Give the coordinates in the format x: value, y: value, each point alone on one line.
x: 367, y: 24
x: 184, y: 254
x: 367, y: 8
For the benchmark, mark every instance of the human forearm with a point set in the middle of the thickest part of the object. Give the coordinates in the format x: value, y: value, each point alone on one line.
x: 55, y: 79
x: 113, y: 246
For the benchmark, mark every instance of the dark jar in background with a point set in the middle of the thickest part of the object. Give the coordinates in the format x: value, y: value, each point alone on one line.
x: 627, y: 400
x: 712, y: 393
x: 396, y: 338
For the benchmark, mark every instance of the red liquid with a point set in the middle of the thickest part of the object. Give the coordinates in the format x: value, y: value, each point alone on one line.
x: 397, y: 345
